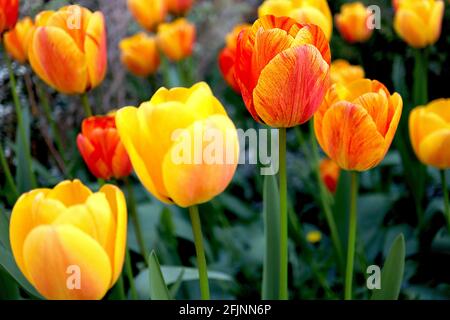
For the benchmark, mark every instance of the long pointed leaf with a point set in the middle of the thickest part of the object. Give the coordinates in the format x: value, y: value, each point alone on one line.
x: 158, y: 288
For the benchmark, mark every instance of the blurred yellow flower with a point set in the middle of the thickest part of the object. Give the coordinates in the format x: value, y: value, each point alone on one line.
x: 18, y: 39
x: 139, y: 53
x: 341, y: 71
x: 176, y: 39
x: 352, y: 22
x: 314, y: 236
x: 148, y: 13
x: 68, y: 237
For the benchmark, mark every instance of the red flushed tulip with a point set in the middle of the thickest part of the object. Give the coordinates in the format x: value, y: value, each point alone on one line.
x: 102, y: 149
x: 9, y: 13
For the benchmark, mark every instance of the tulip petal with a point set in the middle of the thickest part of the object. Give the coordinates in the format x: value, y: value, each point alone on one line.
x: 291, y: 87
x: 70, y: 193
x: 434, y: 150
x: 411, y: 28
x: 95, y: 49
x: 435, y: 22
x: 441, y: 107
x: 52, y: 256
x: 312, y: 34
x: 312, y: 15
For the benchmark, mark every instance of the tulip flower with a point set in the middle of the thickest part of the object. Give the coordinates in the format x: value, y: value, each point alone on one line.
x: 9, y: 12
x: 341, y: 71
x: 352, y: 22
x: 139, y: 54
x: 356, y: 123
x: 282, y: 68
x: 419, y: 22
x: 101, y: 148
x: 227, y: 56
x: 329, y: 172
x: 148, y: 13
x: 69, y: 242
x: 303, y: 11
x: 18, y: 39
x: 314, y: 236
x: 176, y: 39
x: 179, y: 7
x: 68, y: 49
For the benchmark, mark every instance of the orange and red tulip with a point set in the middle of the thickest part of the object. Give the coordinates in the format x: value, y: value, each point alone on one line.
x: 68, y: 241
x: 68, y: 49
x: 179, y: 7
x: 18, y: 39
x: 176, y: 39
x: 101, y: 148
x: 227, y: 56
x: 357, y: 122
x: 429, y: 130
x: 9, y: 13
x: 139, y: 53
x: 329, y: 172
x: 148, y: 13
x: 282, y: 68
x: 419, y: 22
x: 175, y: 123
x: 352, y: 22
x: 341, y: 71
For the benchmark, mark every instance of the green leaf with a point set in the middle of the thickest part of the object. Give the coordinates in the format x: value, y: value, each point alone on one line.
x: 24, y: 176
x: 9, y: 289
x: 271, y: 213
x: 392, y: 272
x: 158, y: 288
x: 176, y: 286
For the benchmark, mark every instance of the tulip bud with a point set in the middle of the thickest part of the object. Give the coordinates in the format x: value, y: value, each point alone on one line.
x: 69, y: 242
x: 329, y: 172
x: 356, y: 123
x: 179, y: 7
x: 282, y: 68
x: 343, y: 72
x: 419, y: 22
x: 9, y: 12
x: 68, y: 49
x: 182, y: 144
x: 18, y: 39
x: 227, y: 56
x: 101, y: 148
x: 429, y: 130
x: 352, y: 22
x: 140, y: 55
x: 176, y: 39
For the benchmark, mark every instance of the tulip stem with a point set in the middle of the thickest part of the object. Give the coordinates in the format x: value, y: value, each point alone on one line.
x: 129, y: 271
x: 201, y: 259
x: 351, y: 236
x: 446, y: 200
x: 420, y: 85
x: 22, y: 132
x: 86, y: 106
x: 135, y: 217
x: 283, y: 218
x: 8, y: 176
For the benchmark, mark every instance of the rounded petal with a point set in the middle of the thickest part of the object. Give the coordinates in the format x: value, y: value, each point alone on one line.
x: 411, y: 28
x: 311, y: 15
x: 434, y: 150
x: 70, y: 193
x: 95, y: 49
x: 435, y: 22
x: 54, y: 254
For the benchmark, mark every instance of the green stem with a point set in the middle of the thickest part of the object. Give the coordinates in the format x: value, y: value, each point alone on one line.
x: 121, y: 288
x: 283, y: 218
x: 135, y: 217
x: 22, y: 133
x: 7, y: 172
x: 129, y: 271
x: 86, y: 106
x: 420, y: 86
x: 351, y: 236
x: 201, y: 259
x: 324, y: 196
x: 446, y: 200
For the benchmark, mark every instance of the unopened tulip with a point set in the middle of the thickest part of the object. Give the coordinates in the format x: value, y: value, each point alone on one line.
x: 429, y: 130
x: 227, y: 56
x: 329, y: 172
x: 182, y: 144
x: 352, y: 22
x: 176, y: 39
x: 357, y: 122
x: 148, y: 13
x: 18, y: 39
x: 9, y: 12
x: 419, y: 22
x: 139, y: 54
x: 282, y: 68
x: 342, y: 71
x: 68, y: 49
x: 101, y: 148
x: 179, y: 7
x: 69, y: 242
x: 303, y: 11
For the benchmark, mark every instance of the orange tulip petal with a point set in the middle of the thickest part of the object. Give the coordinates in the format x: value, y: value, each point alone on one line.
x: 434, y: 150
x: 95, y: 49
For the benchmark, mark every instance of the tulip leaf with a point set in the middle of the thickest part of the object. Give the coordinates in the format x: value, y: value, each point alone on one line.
x: 392, y: 272
x: 24, y: 176
x: 271, y: 213
x: 158, y: 288
x: 10, y: 290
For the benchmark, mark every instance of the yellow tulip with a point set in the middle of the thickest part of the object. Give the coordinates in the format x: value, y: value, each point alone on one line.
x: 178, y: 121
x: 303, y: 11
x: 352, y: 22
x: 148, y: 13
x: 176, y: 39
x: 69, y: 242
x: 429, y: 130
x: 419, y: 22
x: 18, y: 39
x: 341, y: 71
x: 139, y: 54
